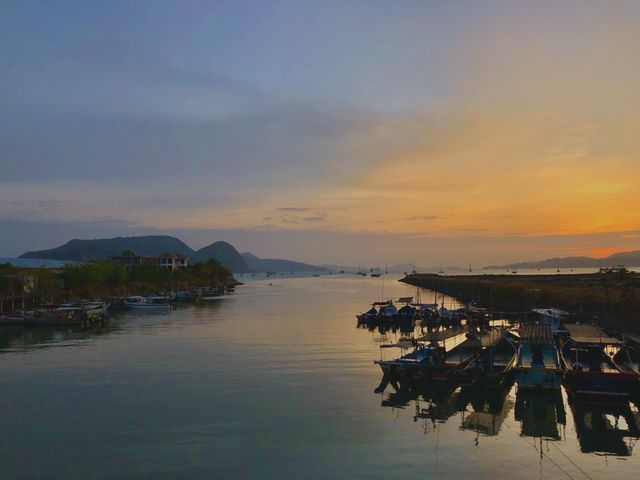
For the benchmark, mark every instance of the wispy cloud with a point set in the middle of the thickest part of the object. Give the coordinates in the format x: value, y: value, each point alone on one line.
x: 293, y: 209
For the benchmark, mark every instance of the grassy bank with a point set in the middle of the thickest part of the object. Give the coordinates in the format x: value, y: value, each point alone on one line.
x: 612, y: 298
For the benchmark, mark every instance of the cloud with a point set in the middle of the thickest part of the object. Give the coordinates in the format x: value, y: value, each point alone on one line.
x: 423, y: 217
x: 293, y: 209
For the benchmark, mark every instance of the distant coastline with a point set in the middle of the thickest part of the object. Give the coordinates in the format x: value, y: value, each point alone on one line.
x: 35, y: 262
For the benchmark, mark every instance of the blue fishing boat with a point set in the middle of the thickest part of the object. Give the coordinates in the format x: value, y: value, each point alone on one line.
x: 538, y: 361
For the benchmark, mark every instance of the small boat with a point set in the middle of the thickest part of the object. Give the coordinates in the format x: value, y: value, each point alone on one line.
x: 206, y: 294
x: 182, y: 296
x: 538, y: 361
x: 81, y: 310
x: 417, y: 364
x: 368, y: 316
x: 588, y: 360
x: 147, y: 303
x: 380, y: 312
x: 553, y: 317
x: 408, y: 312
x: 466, y: 348
x: 493, y: 366
x: 452, y: 318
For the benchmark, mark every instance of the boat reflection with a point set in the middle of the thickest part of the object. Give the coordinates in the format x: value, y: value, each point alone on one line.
x: 540, y: 413
x: 481, y: 410
x: 384, y: 328
x: 489, y: 408
x: 432, y: 401
x: 605, y: 429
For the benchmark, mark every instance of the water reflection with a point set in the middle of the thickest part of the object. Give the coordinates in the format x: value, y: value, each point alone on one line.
x: 604, y: 429
x: 541, y: 413
x: 18, y: 338
x: 489, y: 408
x: 21, y: 338
x: 608, y: 429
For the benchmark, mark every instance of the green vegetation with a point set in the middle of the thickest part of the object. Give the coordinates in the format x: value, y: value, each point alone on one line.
x: 613, y: 298
x: 105, y: 279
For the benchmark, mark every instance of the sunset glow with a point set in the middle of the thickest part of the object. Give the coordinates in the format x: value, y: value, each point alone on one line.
x: 493, y: 122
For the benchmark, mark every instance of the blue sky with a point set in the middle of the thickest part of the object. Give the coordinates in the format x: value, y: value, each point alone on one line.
x: 361, y: 118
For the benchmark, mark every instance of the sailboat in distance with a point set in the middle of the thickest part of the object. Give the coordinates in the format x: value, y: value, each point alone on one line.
x: 376, y: 272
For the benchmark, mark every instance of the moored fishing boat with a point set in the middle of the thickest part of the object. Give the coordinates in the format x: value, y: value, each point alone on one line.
x: 587, y: 358
x: 147, y: 303
x: 437, y: 359
x: 416, y: 364
x: 462, y: 349
x: 538, y: 361
x: 408, y: 312
x: 388, y: 311
x: 370, y: 316
x: 81, y: 310
x: 493, y: 365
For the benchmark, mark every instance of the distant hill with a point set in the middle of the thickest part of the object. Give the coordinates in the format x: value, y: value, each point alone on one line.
x: 104, y: 248
x: 225, y: 253
x: 629, y: 259
x: 152, y: 245
x: 277, y: 264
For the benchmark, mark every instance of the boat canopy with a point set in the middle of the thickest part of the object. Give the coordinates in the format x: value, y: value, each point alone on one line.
x: 590, y: 334
x: 405, y: 299
x: 386, y: 302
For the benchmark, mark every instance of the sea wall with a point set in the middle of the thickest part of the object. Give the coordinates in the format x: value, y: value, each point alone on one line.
x: 610, y: 298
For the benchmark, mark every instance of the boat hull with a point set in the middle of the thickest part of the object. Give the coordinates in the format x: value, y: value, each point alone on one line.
x: 601, y: 384
x: 538, y: 378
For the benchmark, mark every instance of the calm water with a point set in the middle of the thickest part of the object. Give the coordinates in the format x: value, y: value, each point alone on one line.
x: 275, y: 381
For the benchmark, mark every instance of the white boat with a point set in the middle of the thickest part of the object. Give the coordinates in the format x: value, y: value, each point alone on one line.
x: 209, y: 298
x: 147, y: 303
x: 553, y: 317
x: 88, y: 309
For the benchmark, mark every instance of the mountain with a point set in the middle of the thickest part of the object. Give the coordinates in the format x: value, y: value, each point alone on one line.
x: 151, y: 245
x: 104, y: 248
x: 629, y: 259
x: 277, y: 264
x: 225, y: 253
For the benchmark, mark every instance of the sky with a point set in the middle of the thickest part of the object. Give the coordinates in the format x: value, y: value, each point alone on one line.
x: 334, y: 132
